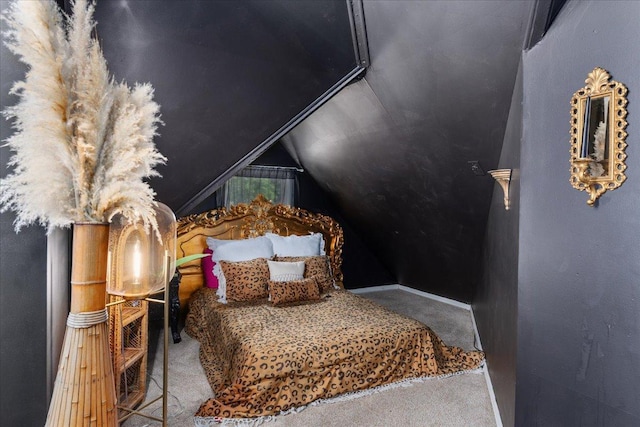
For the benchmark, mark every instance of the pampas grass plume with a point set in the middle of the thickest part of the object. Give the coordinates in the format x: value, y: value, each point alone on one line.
x: 82, y: 145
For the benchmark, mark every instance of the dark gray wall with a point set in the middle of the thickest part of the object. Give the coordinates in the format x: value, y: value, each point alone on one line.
x: 361, y: 266
x: 227, y: 74
x: 392, y: 149
x: 23, y: 292
x: 579, y: 266
x: 495, y: 303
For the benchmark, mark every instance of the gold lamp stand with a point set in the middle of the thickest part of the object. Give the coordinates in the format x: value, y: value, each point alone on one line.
x: 141, y: 263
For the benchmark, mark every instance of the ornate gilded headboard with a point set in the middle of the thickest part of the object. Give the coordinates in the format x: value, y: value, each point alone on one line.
x: 250, y: 220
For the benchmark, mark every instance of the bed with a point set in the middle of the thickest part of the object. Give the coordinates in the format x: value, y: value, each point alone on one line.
x: 269, y: 354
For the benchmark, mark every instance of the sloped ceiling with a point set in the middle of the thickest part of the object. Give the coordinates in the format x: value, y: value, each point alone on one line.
x: 227, y: 74
x: 392, y: 149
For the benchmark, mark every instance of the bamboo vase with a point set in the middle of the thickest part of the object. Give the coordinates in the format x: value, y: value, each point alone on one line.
x: 84, y: 392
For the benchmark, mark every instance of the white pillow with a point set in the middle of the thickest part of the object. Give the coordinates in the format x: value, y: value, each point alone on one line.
x: 240, y: 250
x: 214, y: 243
x: 236, y: 250
x: 309, y: 245
x: 280, y: 271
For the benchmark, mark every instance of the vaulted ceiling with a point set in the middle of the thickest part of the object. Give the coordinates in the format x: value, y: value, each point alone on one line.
x: 393, y: 149
x: 390, y: 149
x: 227, y: 74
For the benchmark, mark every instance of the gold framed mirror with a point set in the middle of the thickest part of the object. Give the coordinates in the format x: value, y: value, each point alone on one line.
x: 598, y: 135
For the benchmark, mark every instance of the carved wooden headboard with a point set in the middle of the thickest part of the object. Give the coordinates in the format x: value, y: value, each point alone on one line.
x: 250, y: 220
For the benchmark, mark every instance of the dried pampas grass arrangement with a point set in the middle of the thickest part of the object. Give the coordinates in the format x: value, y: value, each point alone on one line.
x: 82, y: 148
x: 82, y: 144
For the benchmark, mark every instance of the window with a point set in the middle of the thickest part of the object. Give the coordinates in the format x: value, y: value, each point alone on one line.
x: 276, y: 184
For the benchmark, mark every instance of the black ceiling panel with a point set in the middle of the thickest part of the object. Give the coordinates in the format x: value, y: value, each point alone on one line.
x: 227, y: 74
x: 393, y: 148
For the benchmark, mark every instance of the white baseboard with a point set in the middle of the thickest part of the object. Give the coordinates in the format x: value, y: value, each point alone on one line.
x: 413, y: 291
x: 475, y: 331
x: 492, y: 395
x: 374, y: 289
x: 485, y: 369
x: 487, y: 377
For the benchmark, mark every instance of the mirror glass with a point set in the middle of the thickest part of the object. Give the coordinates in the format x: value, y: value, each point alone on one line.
x: 598, y: 136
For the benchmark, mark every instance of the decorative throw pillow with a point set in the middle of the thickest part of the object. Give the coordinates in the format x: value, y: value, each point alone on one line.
x: 315, y: 266
x: 281, y: 293
x: 309, y: 245
x: 246, y: 280
x: 285, y: 271
x: 236, y: 250
x: 210, y: 281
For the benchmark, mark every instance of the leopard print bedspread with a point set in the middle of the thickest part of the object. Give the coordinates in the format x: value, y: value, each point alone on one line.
x: 261, y: 360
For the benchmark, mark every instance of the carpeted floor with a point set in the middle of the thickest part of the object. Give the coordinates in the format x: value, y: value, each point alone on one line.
x: 461, y: 400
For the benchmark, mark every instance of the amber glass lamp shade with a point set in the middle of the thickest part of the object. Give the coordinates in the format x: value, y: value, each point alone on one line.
x: 141, y: 263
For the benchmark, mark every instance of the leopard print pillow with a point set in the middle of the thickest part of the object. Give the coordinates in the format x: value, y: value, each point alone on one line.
x: 315, y: 266
x: 294, y: 291
x: 246, y: 280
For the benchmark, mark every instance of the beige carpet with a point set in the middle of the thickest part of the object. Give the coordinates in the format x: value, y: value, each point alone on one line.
x: 457, y: 401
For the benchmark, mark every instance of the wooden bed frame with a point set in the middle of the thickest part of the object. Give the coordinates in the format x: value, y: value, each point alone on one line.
x: 250, y: 220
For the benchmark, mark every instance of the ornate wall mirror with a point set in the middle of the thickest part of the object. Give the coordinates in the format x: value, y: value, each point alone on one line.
x: 598, y: 113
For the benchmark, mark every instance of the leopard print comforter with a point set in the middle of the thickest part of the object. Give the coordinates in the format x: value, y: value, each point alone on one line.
x: 261, y: 360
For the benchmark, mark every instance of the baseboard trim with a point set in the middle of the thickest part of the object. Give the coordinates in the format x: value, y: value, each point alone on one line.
x: 374, y: 289
x: 492, y: 395
x: 475, y: 331
x: 485, y: 369
x: 413, y: 291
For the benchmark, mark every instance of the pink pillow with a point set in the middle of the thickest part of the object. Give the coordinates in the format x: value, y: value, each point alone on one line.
x: 210, y: 281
